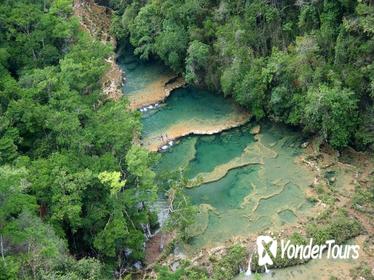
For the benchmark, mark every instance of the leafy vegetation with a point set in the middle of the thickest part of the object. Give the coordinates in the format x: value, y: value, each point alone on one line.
x: 74, y: 191
x: 362, y: 271
x: 339, y: 227
x: 180, y: 209
x: 223, y: 267
x: 229, y: 265
x: 363, y: 198
x: 329, y: 225
x: 303, y: 63
x: 183, y: 272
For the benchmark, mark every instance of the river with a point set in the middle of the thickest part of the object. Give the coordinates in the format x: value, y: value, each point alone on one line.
x: 243, y: 183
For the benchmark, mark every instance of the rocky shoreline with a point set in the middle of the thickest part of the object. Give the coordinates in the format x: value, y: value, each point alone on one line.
x: 178, y: 131
x: 156, y: 92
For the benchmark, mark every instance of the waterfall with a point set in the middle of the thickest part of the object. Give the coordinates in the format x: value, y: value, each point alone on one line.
x: 148, y: 229
x: 266, y: 269
x: 249, y: 271
x: 161, y: 242
x: 161, y: 208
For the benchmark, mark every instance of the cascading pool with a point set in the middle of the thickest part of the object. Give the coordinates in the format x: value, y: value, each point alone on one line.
x: 265, y: 192
x: 189, y: 110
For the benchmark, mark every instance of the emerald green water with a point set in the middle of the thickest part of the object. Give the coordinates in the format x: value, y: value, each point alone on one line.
x: 188, y: 107
x: 139, y: 74
x: 218, y: 149
x: 226, y: 193
x: 255, y: 197
x: 287, y: 216
x: 259, y: 196
x: 245, y: 184
x: 178, y: 157
x: 196, y: 154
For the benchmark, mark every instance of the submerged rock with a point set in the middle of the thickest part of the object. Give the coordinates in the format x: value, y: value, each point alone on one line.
x: 156, y: 92
x: 304, y: 145
x: 138, y: 265
x: 255, y: 130
x: 175, y: 266
x: 330, y: 176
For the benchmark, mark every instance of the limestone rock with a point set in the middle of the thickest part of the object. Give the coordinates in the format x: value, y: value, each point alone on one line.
x: 255, y: 130
x: 304, y: 145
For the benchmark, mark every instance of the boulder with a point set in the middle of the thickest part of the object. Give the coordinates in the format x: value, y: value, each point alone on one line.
x: 255, y: 130
x: 304, y: 145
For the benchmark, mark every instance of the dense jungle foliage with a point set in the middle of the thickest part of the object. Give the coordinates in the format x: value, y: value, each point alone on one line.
x: 75, y: 193
x: 301, y: 62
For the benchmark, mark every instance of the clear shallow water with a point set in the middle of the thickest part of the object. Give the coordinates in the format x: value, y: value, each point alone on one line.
x: 188, y: 109
x: 139, y: 74
x: 197, y: 154
x: 178, y: 156
x: 248, y: 184
x: 247, y: 199
x: 218, y: 149
x: 226, y: 193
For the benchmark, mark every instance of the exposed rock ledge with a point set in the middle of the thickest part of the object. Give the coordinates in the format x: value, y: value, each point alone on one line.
x: 96, y: 20
x: 156, y: 92
x: 193, y: 127
x: 254, y: 154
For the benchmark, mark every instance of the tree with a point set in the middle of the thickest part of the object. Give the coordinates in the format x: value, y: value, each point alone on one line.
x: 113, y: 237
x: 181, y: 212
x: 139, y: 162
x: 170, y: 45
x: 233, y: 47
x: 146, y: 26
x: 13, y: 196
x: 22, y: 233
x: 252, y: 90
x: 9, y: 137
x: 67, y: 194
x: 197, y: 58
x: 332, y: 111
x: 58, y: 132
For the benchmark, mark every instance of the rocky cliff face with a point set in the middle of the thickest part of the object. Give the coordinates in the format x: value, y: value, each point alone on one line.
x: 96, y: 20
